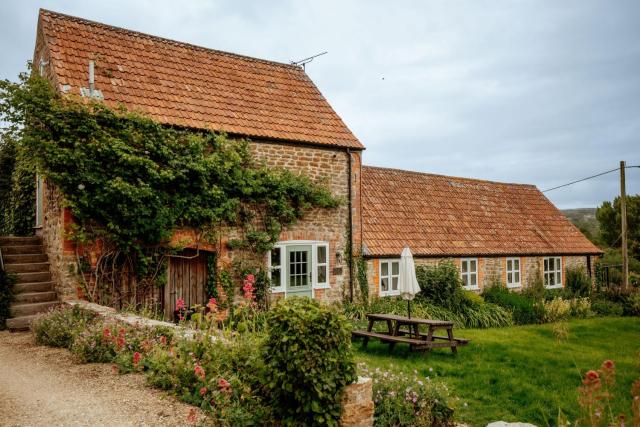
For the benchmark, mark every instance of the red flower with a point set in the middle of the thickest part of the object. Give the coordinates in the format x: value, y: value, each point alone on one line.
x: 136, y: 358
x: 106, y: 333
x: 203, y: 391
x: 592, y: 375
x: 224, y: 385
x: 608, y: 365
x: 179, y: 304
x: 199, y: 372
x: 251, y: 278
x: 120, y: 342
x: 212, y: 304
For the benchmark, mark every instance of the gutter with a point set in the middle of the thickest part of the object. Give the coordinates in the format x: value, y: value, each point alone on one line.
x: 350, y: 243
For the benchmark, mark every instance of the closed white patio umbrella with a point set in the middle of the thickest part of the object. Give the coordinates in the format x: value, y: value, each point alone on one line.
x: 407, y: 282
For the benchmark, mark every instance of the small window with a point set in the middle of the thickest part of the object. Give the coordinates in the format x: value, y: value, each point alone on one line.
x: 389, y: 276
x: 322, y: 265
x: 513, y: 273
x: 469, y: 273
x: 553, y: 272
x: 275, y: 267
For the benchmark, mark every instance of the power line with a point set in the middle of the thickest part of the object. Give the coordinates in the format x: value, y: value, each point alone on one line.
x: 589, y: 177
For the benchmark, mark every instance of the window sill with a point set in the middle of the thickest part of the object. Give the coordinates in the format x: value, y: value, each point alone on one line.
x: 471, y: 288
x: 277, y: 290
x: 322, y: 287
x: 389, y: 294
x: 554, y: 287
x: 514, y: 286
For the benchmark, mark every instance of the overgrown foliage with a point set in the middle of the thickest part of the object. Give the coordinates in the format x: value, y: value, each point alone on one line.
x: 525, y: 310
x: 577, y: 281
x: 308, y: 360
x: 440, y: 284
x: 131, y: 182
x: 6, y: 297
x: 60, y: 326
x: 609, y: 218
x: 17, y: 189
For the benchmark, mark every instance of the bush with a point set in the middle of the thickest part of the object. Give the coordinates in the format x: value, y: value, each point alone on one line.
x: 536, y: 290
x: 403, y: 400
x: 556, y: 309
x: 580, y: 307
x: 578, y: 282
x: 525, y: 310
x: 440, y: 284
x: 59, y: 326
x: 97, y: 343
x: 6, y: 297
x: 308, y: 360
x: 604, y: 307
x: 628, y: 299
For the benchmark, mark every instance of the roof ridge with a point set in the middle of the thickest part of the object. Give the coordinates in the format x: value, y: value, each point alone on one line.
x: 167, y: 40
x: 448, y: 176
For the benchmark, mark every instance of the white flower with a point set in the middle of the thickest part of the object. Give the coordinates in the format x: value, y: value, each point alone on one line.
x: 465, y: 404
x: 430, y: 369
x: 80, y: 186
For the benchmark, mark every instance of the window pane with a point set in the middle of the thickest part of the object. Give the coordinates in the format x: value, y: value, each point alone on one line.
x: 275, y: 277
x: 509, y: 265
x: 384, y: 284
x: 552, y: 281
x: 558, y: 278
x: 384, y: 269
x: 275, y: 257
x: 322, y: 274
x: 509, y: 278
x: 473, y: 266
x: 517, y: 277
x: 464, y: 266
x: 516, y: 264
x: 551, y: 265
x: 395, y: 268
x: 322, y: 254
x: 394, y: 284
x: 472, y: 279
x: 546, y: 264
x: 465, y: 280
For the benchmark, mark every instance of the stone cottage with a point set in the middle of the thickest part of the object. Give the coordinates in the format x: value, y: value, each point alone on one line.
x: 492, y: 231
x: 274, y: 105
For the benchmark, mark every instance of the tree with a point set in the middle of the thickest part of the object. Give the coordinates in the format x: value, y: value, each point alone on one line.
x: 609, y: 217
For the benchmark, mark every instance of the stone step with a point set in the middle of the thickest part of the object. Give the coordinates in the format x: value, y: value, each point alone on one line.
x: 24, y: 258
x: 19, y: 288
x: 22, y: 249
x: 33, y: 267
x: 20, y: 323
x: 33, y: 277
x: 28, y: 309
x: 28, y: 297
x: 20, y: 241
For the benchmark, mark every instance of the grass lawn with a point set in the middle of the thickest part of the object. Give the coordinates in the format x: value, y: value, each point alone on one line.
x: 522, y: 373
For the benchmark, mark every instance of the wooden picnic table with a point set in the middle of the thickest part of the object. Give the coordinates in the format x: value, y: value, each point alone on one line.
x: 406, y: 330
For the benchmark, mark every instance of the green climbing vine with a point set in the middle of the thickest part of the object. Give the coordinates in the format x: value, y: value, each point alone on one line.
x: 131, y: 182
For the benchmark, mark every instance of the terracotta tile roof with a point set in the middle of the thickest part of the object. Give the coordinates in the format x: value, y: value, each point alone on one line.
x: 185, y: 85
x: 439, y: 215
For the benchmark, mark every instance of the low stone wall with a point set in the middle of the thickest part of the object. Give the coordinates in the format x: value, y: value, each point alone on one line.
x: 357, y: 398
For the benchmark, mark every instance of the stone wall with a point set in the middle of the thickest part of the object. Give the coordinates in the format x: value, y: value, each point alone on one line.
x: 490, y: 269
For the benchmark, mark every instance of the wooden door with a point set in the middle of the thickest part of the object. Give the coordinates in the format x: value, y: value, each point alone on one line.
x: 187, y: 280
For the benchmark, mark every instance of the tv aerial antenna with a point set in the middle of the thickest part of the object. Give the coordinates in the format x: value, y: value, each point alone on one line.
x: 303, y: 62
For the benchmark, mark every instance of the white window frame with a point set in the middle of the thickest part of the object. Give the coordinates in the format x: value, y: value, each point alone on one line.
x: 513, y: 271
x: 390, y: 276
x: 557, y: 271
x: 282, y: 247
x: 469, y: 273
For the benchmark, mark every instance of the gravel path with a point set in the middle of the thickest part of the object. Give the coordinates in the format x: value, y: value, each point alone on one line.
x: 41, y: 386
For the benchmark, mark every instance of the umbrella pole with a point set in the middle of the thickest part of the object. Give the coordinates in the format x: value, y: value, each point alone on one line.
x: 409, y: 307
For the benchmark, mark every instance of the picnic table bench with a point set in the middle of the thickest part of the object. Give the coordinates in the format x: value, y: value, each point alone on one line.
x: 406, y: 330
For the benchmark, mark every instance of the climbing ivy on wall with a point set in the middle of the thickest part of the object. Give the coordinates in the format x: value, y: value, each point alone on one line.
x: 131, y: 181
x: 17, y: 190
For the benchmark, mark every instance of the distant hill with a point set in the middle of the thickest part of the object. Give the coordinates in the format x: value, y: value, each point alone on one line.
x: 584, y: 219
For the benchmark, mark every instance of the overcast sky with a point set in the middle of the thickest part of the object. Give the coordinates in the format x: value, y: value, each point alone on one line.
x: 540, y: 92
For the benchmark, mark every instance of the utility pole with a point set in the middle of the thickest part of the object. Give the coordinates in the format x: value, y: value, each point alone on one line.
x: 623, y: 217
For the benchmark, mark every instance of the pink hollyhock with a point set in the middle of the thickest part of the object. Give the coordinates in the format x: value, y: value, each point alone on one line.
x: 248, y: 286
x: 212, y: 304
x: 180, y: 304
x: 136, y: 358
x: 199, y: 372
x: 203, y: 391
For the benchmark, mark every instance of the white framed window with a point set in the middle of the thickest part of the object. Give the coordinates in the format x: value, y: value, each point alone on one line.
x: 469, y: 273
x: 553, y: 272
x: 278, y: 268
x: 513, y: 273
x: 389, y: 277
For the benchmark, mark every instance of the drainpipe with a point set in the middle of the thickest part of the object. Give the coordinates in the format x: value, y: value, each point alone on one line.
x: 350, y: 243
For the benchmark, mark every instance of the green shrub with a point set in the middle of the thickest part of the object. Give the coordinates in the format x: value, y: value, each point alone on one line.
x: 525, y: 310
x: 580, y: 307
x: 97, y: 343
x: 60, y: 326
x: 440, y: 284
x: 556, y: 309
x: 404, y: 400
x: 536, y: 290
x: 6, y: 297
x: 628, y: 299
x: 577, y: 281
x: 308, y: 360
x: 605, y: 307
